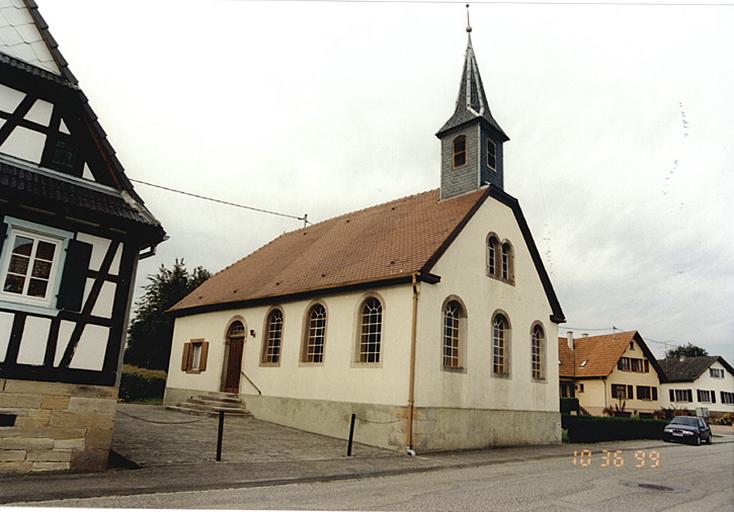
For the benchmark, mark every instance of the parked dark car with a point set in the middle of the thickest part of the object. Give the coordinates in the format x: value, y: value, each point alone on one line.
x: 687, y: 429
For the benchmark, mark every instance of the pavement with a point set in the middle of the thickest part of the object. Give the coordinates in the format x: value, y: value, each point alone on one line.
x: 237, y: 475
x: 151, y: 435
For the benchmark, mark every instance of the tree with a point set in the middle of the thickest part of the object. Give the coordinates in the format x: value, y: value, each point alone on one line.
x: 151, y: 330
x: 689, y: 350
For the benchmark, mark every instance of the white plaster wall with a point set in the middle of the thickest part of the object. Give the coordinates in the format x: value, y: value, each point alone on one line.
x: 92, y: 347
x: 24, y: 144
x: 10, y: 98
x: 99, y: 249
x: 35, y: 338
x: 338, y: 378
x: 6, y: 325
x: 40, y: 112
x: 705, y: 382
x: 105, y: 300
x: 463, y: 273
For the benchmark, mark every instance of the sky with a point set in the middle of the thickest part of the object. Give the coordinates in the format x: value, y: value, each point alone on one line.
x: 621, y: 120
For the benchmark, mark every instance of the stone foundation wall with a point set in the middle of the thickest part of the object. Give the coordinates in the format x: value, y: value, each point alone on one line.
x: 435, y: 428
x: 57, y: 426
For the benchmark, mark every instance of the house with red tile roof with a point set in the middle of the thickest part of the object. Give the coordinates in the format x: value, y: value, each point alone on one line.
x: 615, y: 370
x: 431, y: 318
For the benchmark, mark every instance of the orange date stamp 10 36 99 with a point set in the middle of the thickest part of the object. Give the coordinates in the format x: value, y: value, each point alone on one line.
x: 615, y: 458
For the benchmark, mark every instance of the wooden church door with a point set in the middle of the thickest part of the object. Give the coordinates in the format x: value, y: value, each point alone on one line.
x: 236, y: 345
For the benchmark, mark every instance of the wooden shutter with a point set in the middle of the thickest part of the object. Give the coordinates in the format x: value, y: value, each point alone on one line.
x: 185, y: 357
x: 654, y: 393
x: 204, y: 354
x: 647, y: 366
x: 3, y: 234
x: 630, y: 392
x: 672, y: 395
x: 71, y: 292
x: 713, y: 396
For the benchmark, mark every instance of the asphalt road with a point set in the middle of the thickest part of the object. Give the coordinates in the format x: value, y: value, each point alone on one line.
x: 675, y: 478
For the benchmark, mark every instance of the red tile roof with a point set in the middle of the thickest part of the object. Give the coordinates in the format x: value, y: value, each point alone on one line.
x: 601, y: 354
x: 383, y: 242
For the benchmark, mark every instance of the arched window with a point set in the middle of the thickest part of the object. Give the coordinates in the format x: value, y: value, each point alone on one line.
x: 313, y: 347
x: 500, y: 343
x: 452, y: 314
x: 370, y: 331
x: 273, y: 337
x: 459, y: 151
x: 236, y: 330
x: 537, y: 342
x: 491, y: 154
x: 492, y: 245
x: 506, y: 261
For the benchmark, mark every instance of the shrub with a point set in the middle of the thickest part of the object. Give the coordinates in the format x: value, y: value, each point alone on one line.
x: 585, y: 429
x: 141, y: 383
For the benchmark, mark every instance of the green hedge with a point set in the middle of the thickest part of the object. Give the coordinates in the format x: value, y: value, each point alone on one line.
x: 590, y: 429
x: 141, y: 383
x: 569, y: 404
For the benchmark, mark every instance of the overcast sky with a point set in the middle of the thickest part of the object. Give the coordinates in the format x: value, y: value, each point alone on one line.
x: 621, y: 121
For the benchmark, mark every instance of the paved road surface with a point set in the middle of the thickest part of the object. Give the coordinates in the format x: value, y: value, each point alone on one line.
x: 690, y: 478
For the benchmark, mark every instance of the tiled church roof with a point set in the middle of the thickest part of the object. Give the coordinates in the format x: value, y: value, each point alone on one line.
x: 383, y: 242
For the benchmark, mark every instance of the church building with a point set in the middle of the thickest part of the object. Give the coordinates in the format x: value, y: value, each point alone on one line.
x: 430, y: 317
x: 72, y: 230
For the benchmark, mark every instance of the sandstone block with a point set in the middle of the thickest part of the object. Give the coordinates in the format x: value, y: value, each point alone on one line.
x: 2, y: 385
x: 90, y: 460
x: 56, y: 402
x: 65, y: 419
x: 20, y: 400
x: 51, y: 466
x: 72, y: 444
x: 27, y: 443
x: 12, y: 455
x: 29, y: 421
x: 58, y: 388
x: 52, y: 432
x: 49, y: 456
x: 98, y: 439
x: 15, y: 467
x: 92, y: 405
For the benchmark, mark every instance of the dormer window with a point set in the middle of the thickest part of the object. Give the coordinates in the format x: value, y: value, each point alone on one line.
x: 459, y: 151
x: 491, y: 154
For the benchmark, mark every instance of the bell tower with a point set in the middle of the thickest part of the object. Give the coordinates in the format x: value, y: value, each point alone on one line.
x: 471, y: 140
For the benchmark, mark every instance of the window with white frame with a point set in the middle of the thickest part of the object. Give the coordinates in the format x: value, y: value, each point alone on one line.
x: 196, y: 355
x: 716, y: 373
x: 703, y: 395
x: 506, y: 261
x: 370, y: 331
x: 492, y: 245
x: 500, y: 327
x: 452, y: 315
x: 273, y: 337
x: 491, y: 154
x: 30, y: 263
x: 681, y: 395
x: 727, y: 397
x: 313, y: 350
x: 537, y: 339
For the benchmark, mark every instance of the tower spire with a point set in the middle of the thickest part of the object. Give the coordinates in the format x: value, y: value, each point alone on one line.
x: 468, y: 28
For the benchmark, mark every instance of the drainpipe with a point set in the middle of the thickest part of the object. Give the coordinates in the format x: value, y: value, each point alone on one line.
x: 411, y: 382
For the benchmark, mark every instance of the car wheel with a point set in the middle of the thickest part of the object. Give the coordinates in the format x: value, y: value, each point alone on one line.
x: 710, y: 439
x: 698, y: 440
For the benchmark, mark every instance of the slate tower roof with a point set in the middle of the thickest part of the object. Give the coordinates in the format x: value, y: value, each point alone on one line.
x: 471, y: 103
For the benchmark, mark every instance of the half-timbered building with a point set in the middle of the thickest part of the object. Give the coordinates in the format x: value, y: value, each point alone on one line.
x: 431, y: 317
x: 71, y: 232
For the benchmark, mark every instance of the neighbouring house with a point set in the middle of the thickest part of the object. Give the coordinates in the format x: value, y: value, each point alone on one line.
x: 698, y: 382
x: 608, y: 371
x: 71, y: 232
x: 431, y: 317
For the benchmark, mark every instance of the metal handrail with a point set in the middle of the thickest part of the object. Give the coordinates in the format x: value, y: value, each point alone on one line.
x: 253, y: 384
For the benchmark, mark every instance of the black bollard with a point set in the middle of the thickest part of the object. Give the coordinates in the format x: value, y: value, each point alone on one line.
x: 220, y: 434
x: 351, y: 435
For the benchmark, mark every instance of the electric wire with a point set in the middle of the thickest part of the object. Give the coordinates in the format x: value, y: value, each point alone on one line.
x: 506, y: 2
x: 303, y: 218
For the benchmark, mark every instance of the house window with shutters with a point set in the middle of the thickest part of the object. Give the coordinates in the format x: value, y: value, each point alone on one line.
x: 31, y: 263
x: 195, y: 355
x: 647, y: 393
x: 622, y: 392
x: 681, y: 395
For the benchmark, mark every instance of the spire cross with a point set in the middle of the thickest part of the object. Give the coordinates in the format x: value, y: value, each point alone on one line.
x: 468, y: 26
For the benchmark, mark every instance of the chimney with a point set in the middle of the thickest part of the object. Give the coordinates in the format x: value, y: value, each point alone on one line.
x: 569, y: 339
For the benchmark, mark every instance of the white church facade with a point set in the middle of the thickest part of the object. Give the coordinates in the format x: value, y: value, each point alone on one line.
x: 431, y: 317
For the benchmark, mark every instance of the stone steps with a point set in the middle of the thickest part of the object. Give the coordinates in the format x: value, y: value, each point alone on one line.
x: 211, y: 404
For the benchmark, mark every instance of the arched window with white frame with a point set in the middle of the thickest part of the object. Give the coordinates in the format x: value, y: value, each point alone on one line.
x: 493, y: 244
x: 315, y: 335
x: 273, y: 336
x: 453, y: 315
x: 370, y: 331
x: 537, y: 349
x: 500, y: 345
x: 506, y: 262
